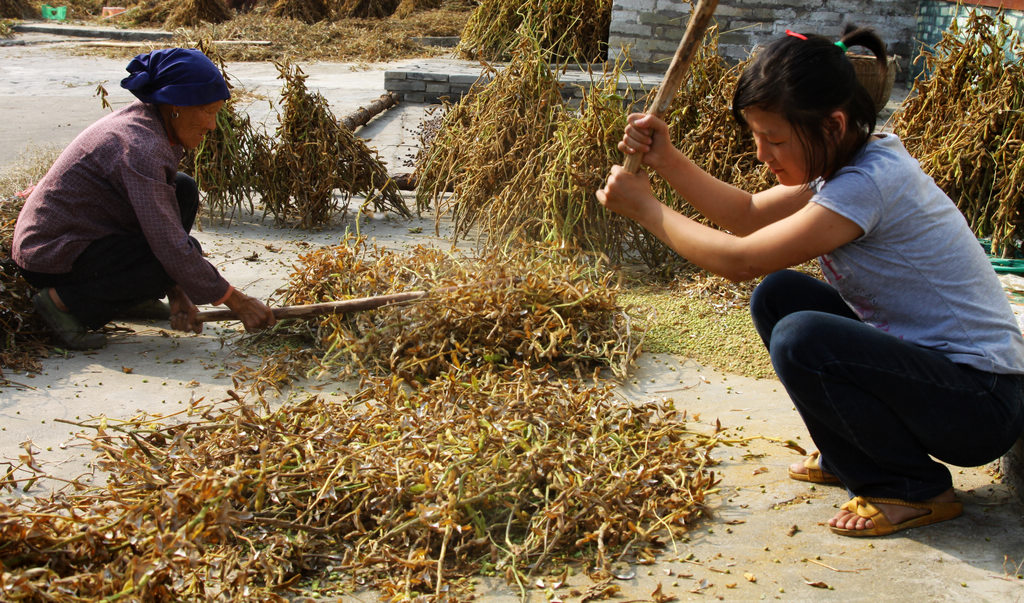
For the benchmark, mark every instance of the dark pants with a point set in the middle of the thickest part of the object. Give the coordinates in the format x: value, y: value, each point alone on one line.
x: 118, y: 271
x: 879, y: 408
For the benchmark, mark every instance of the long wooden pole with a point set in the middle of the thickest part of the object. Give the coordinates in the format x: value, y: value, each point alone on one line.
x: 699, y: 19
x: 309, y: 310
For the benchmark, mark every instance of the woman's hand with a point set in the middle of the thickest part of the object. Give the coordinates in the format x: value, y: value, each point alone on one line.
x: 628, y: 194
x: 183, y: 311
x: 254, y: 314
x: 648, y: 134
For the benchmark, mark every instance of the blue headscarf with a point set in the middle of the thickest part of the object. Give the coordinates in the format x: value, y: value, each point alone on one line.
x: 175, y: 76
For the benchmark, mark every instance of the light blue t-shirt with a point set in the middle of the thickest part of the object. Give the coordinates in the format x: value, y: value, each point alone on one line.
x: 918, y: 272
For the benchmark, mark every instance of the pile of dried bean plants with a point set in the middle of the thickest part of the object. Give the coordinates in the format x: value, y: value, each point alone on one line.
x: 405, y: 488
x: 964, y: 121
x: 23, y: 337
x: 571, y: 30
x: 535, y: 307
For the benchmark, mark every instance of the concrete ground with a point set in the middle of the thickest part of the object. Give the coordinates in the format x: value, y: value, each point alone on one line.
x: 765, y: 539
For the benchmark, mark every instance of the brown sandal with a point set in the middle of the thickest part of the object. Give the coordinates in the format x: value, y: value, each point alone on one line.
x: 862, y: 507
x: 815, y: 474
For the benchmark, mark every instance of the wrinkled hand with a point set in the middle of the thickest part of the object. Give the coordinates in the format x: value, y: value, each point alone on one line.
x: 183, y: 312
x: 254, y: 314
x: 647, y: 134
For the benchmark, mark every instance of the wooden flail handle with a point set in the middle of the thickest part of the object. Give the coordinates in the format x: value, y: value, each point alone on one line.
x: 677, y: 69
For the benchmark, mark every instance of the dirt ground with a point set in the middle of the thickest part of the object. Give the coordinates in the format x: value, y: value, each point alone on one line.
x: 765, y: 539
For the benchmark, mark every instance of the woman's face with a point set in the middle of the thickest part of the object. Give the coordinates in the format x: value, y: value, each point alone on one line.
x: 778, y: 146
x: 192, y: 123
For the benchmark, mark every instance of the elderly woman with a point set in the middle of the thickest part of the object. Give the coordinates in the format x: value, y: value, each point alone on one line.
x: 105, y: 233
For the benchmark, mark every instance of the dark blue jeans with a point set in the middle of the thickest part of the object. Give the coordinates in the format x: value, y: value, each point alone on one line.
x: 119, y: 271
x: 879, y: 408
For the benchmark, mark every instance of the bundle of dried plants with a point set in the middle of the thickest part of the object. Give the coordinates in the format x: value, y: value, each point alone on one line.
x: 964, y: 121
x: 190, y: 13
x: 406, y: 488
x: 223, y: 164
x: 17, y: 9
x: 408, y: 7
x: 569, y: 29
x: 150, y: 13
x: 520, y: 163
x: 485, y: 139
x: 22, y: 336
x: 366, y: 9
x: 306, y: 11
x: 312, y: 156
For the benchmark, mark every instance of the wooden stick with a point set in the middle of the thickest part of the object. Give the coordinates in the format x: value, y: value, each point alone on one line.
x: 699, y: 19
x: 362, y: 115
x: 310, y: 310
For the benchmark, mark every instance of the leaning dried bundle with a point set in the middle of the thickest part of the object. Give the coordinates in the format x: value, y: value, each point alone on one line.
x: 223, y: 164
x: 408, y: 7
x: 190, y: 13
x: 307, y: 11
x: 531, y: 307
x: 488, y: 136
x: 511, y: 471
x: 313, y: 155
x: 21, y: 336
x: 568, y: 29
x: 366, y: 9
x: 551, y: 198
x: 16, y: 9
x: 964, y: 121
x: 150, y: 12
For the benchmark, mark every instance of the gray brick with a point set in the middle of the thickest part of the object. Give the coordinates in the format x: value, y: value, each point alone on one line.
x: 407, y: 85
x: 427, y: 76
x: 463, y: 79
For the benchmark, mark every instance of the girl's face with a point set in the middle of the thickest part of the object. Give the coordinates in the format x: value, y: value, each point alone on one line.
x: 778, y: 145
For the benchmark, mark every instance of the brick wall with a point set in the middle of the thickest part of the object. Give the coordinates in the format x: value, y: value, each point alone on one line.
x: 652, y: 28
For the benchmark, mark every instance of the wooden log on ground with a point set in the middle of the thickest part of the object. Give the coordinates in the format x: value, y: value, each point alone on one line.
x: 362, y: 115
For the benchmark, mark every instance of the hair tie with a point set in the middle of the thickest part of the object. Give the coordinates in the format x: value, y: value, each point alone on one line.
x: 841, y: 45
x: 790, y: 32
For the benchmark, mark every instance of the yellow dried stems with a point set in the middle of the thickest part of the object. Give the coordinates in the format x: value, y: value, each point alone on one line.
x: 570, y: 30
x: 964, y: 121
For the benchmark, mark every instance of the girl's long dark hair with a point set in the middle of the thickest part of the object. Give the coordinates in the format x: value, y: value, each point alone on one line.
x: 805, y: 81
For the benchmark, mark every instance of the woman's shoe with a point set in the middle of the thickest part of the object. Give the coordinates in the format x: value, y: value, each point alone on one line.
x: 815, y: 474
x: 67, y: 329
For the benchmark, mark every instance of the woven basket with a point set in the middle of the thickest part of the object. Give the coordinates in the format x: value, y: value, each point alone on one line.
x: 877, y: 82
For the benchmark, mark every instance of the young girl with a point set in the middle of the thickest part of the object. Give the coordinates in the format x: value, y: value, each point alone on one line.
x: 910, y: 350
